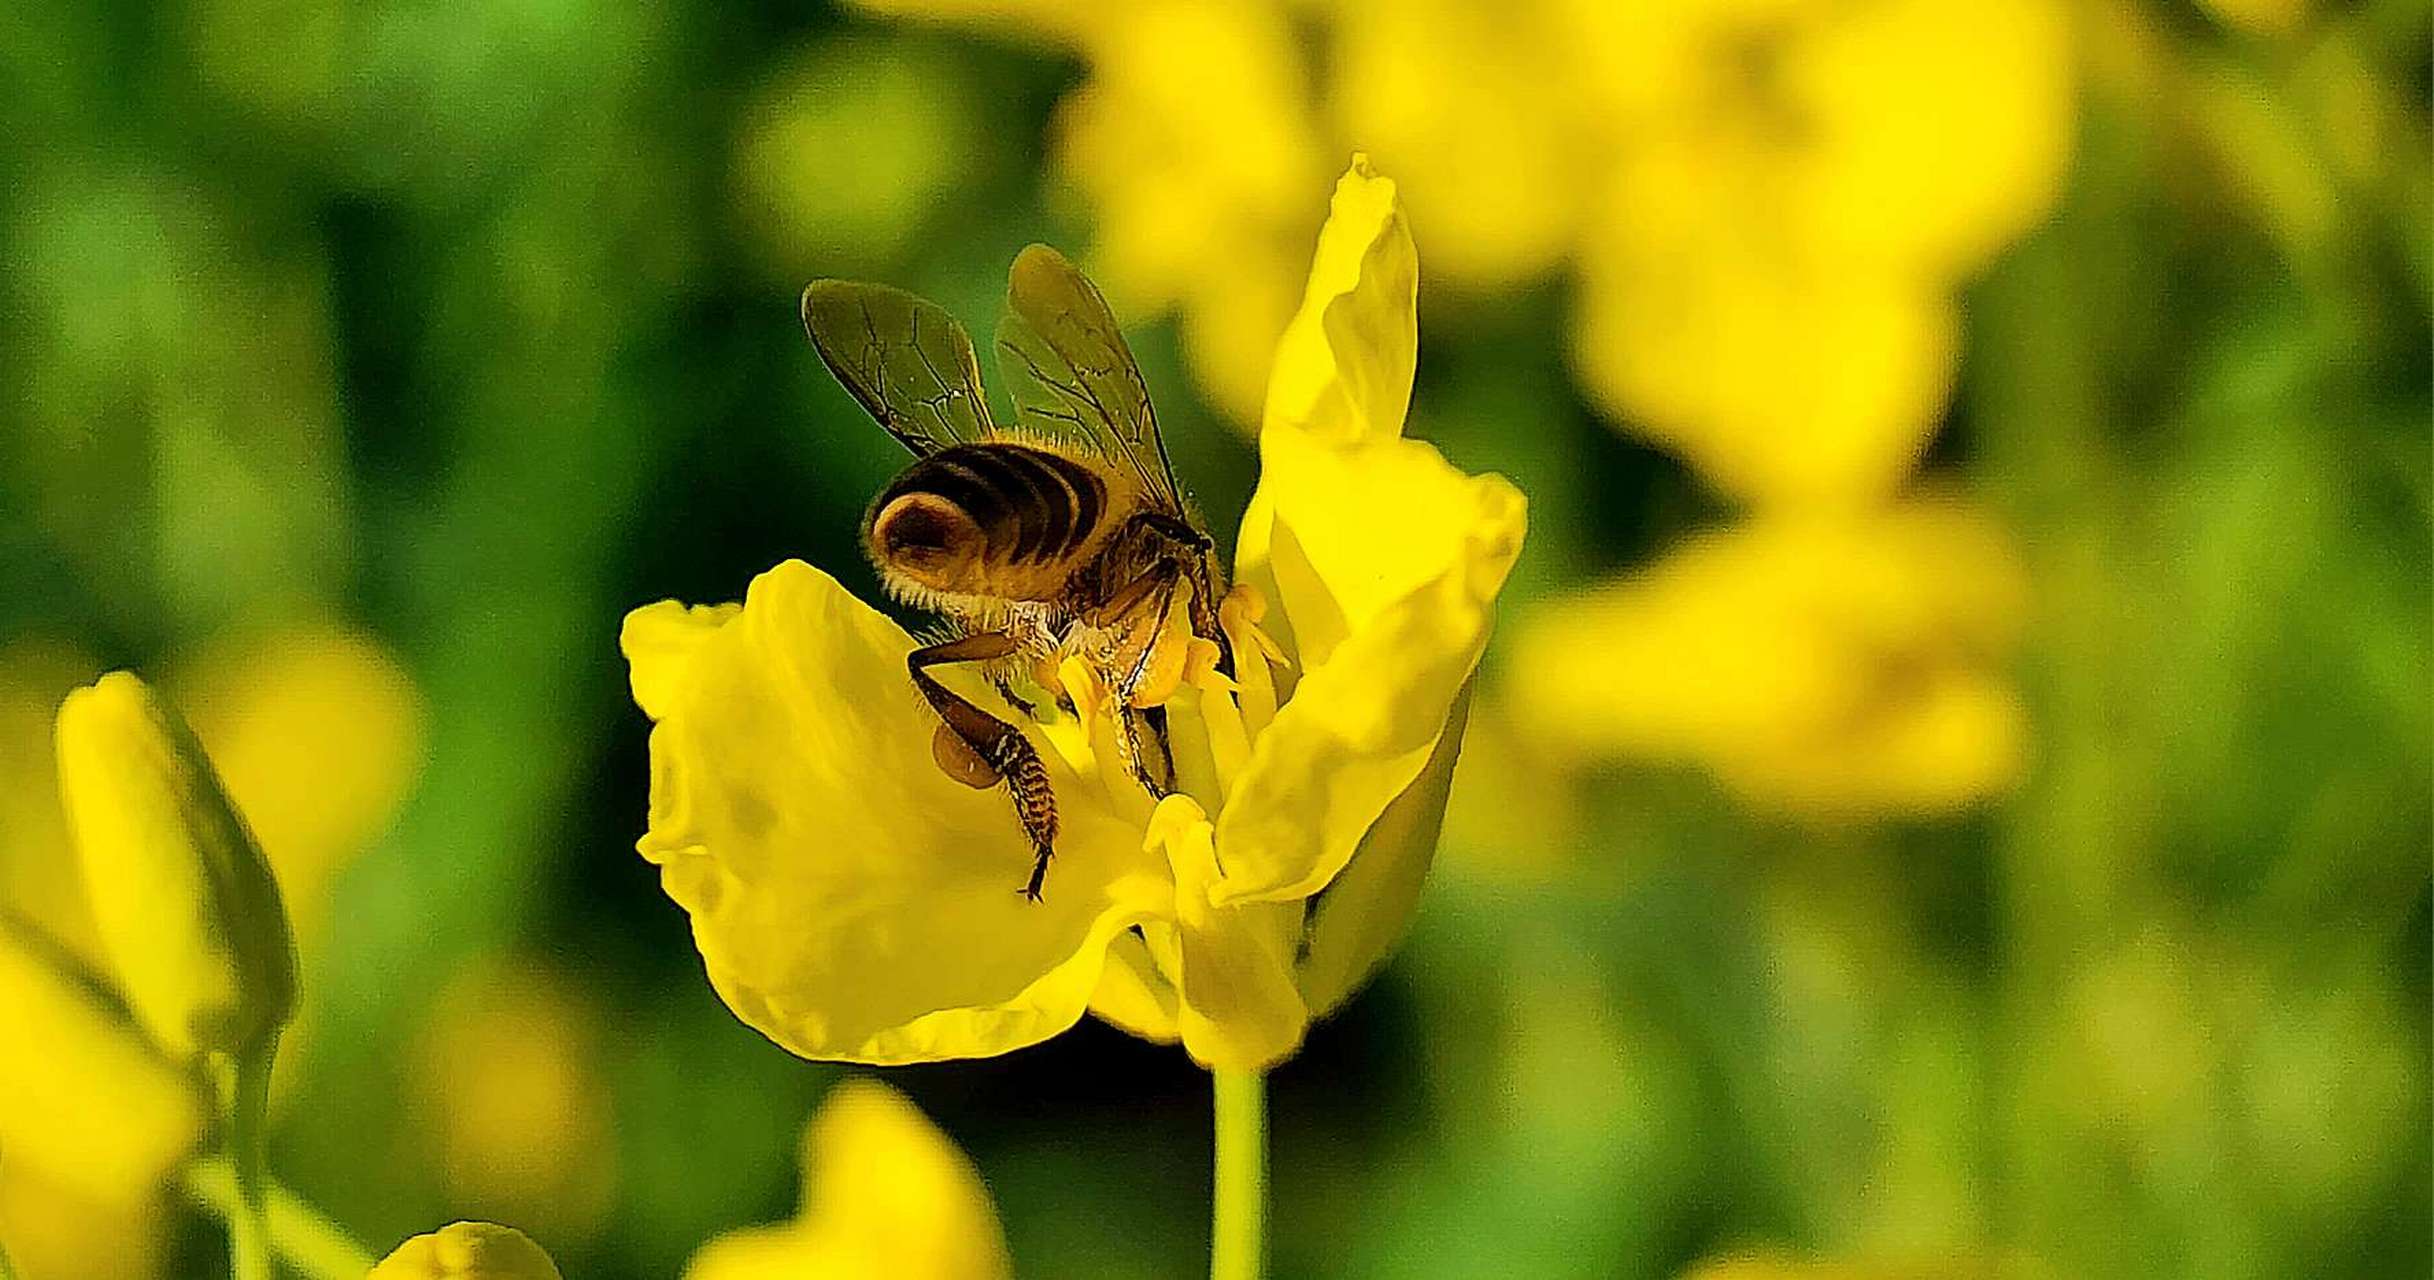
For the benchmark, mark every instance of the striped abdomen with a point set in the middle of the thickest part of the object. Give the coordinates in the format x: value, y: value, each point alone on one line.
x: 999, y: 518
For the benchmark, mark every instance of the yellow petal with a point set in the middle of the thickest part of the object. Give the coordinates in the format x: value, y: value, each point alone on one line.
x: 659, y: 642
x: 1240, y: 1008
x: 1134, y: 997
x: 52, y: 1231
x: 467, y: 1251
x: 849, y: 900
x: 1344, y: 367
x: 1936, y: 133
x: 1829, y: 663
x: 884, y: 1194
x: 1786, y: 379
x: 515, y: 1111
x: 85, y: 1101
x: 1368, y: 907
x: 182, y: 898
x: 1387, y: 562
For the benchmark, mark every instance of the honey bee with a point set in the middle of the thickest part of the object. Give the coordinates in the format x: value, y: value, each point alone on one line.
x: 1061, y: 536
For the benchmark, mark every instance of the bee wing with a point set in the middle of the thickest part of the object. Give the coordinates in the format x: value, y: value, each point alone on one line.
x: 908, y: 361
x: 1071, y: 375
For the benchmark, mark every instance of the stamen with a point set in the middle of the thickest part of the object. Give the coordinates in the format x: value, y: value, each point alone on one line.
x: 1255, y: 681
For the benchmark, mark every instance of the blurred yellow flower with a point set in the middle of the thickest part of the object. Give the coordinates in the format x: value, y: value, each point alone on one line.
x: 508, y: 1073
x: 314, y: 731
x: 467, y: 1251
x: 184, y: 903
x: 1834, y: 663
x: 86, y: 1102
x: 2259, y: 17
x: 851, y: 903
x: 52, y: 1231
x: 845, y: 147
x: 1770, y: 204
x: 1768, y: 284
x: 318, y: 734
x: 884, y: 1194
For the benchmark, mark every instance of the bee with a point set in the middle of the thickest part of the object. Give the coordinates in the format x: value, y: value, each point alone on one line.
x: 1061, y: 536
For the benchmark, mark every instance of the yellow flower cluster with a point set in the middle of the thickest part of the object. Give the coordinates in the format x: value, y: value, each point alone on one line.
x: 852, y: 902
x: 1768, y: 201
x: 118, y: 961
x: 1767, y: 207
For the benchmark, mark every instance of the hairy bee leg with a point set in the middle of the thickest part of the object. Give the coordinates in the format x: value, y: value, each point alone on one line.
x: 999, y: 743
x: 1130, y: 597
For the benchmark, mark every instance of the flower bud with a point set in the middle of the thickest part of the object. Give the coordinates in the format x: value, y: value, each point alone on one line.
x: 468, y: 1251
x: 184, y: 903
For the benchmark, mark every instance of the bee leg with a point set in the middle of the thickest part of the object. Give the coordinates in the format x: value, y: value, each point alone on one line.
x: 1136, y: 761
x: 1005, y: 689
x: 1128, y: 718
x: 999, y: 743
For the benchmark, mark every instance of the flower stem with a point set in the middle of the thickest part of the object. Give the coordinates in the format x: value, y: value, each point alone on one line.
x: 1238, y: 1247
x: 243, y: 1083
x: 310, y: 1242
x: 7, y: 1272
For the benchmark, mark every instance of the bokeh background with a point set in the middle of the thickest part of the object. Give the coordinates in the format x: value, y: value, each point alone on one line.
x: 1951, y: 787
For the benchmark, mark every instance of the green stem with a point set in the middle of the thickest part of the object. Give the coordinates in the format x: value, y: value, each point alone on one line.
x: 310, y: 1242
x: 243, y: 1082
x: 1238, y: 1248
x: 7, y: 1272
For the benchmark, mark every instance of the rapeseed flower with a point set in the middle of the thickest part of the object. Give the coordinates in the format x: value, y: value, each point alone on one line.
x: 1769, y: 205
x: 509, y: 1082
x: 1835, y: 664
x: 312, y: 732
x: 851, y: 902
x: 884, y: 1193
x: 467, y: 1251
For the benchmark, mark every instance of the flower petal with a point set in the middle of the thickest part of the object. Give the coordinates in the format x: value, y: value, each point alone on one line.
x: 468, y: 1251
x: 1240, y: 1008
x: 1133, y: 996
x: 1356, y: 924
x: 85, y: 1100
x: 659, y: 642
x: 1344, y: 367
x: 1387, y: 561
x: 849, y: 900
x: 884, y: 1193
x: 1827, y: 663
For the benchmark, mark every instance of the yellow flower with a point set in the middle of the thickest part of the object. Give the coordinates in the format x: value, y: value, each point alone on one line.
x: 845, y: 147
x: 1769, y: 204
x: 884, y: 1194
x: 508, y: 1070
x: 1768, y: 287
x: 1833, y: 663
x: 853, y: 903
x: 87, y: 1104
x: 467, y: 1251
x: 182, y: 899
x: 1192, y: 141
x: 314, y: 732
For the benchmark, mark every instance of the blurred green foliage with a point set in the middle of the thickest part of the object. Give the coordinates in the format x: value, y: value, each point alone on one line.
x: 473, y: 326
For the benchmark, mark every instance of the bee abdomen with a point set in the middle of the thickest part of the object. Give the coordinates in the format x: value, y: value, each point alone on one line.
x: 957, y: 519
